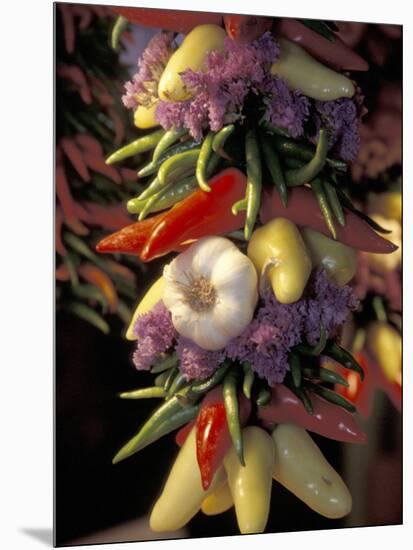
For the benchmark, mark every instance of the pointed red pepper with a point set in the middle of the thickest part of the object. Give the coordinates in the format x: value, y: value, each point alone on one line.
x: 246, y: 28
x: 303, y: 210
x: 327, y: 419
x: 213, y: 439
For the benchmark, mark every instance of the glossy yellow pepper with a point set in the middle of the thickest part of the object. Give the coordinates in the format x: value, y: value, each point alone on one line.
x: 218, y: 501
x: 384, y: 342
x: 303, y: 72
x: 250, y: 485
x: 281, y: 258
x: 339, y: 260
x: 190, y: 55
x: 302, y: 469
x: 144, y: 117
x: 151, y: 298
x: 182, y: 494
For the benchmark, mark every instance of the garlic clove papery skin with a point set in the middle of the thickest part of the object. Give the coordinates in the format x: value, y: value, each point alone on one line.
x: 211, y: 292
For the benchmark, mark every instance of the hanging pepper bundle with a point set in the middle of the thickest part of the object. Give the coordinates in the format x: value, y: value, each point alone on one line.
x: 247, y: 141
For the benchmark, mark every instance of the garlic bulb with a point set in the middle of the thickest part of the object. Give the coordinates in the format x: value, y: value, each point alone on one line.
x: 211, y: 292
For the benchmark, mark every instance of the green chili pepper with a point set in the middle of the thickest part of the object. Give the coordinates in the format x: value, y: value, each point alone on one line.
x: 306, y: 173
x: 332, y: 397
x: 238, y: 206
x: 68, y: 259
x: 274, y: 166
x: 274, y: 130
x: 343, y: 357
x: 161, y: 378
x: 153, y: 167
x: 169, y: 138
x: 230, y: 395
x: 263, y: 397
x: 153, y: 187
x: 143, y: 393
x: 302, y: 151
x: 88, y: 314
x: 334, y: 203
x: 219, y: 140
x: 320, y: 27
x: 161, y: 421
x: 293, y: 163
x: 295, y: 366
x: 164, y: 363
x: 212, y: 381
x: 120, y: 25
x: 325, y: 375
x: 169, y: 379
x: 178, y: 383
x: 248, y: 381
x: 177, y: 164
x: 140, y: 145
x: 254, y: 181
x: 318, y: 189
x: 318, y: 348
x: 202, y: 162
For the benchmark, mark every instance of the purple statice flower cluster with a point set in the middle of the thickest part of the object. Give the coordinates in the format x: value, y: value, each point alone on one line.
x: 286, y: 108
x: 219, y: 92
x: 143, y: 87
x: 276, y: 328
x: 341, y: 119
x: 155, y: 333
x: 196, y: 363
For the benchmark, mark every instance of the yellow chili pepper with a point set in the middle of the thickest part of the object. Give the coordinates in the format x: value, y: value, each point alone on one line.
x: 250, y: 485
x: 144, y: 117
x: 303, y: 72
x: 281, y: 258
x: 183, y: 494
x: 219, y: 501
x: 151, y: 298
x: 302, y: 469
x: 190, y: 55
x: 384, y: 342
x: 339, y: 260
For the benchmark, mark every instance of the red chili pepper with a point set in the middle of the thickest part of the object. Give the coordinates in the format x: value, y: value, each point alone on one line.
x: 101, y: 280
x: 74, y: 154
x: 327, y: 419
x: 130, y: 239
x: 170, y: 20
x: 199, y: 215
x: 213, y: 439
x: 303, y: 209
x: 334, y: 53
x: 246, y: 28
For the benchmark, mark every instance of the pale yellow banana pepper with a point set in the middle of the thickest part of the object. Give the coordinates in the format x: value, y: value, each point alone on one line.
x: 384, y: 342
x: 302, y: 469
x: 144, y: 117
x: 151, y: 298
x: 339, y: 260
x: 281, y: 258
x: 183, y: 494
x: 303, y: 72
x: 219, y: 501
x: 250, y: 485
x: 191, y: 54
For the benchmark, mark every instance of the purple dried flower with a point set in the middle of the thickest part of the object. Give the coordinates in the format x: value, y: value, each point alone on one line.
x: 341, y: 120
x: 155, y: 333
x: 285, y: 108
x: 277, y: 327
x: 143, y: 87
x: 196, y: 363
